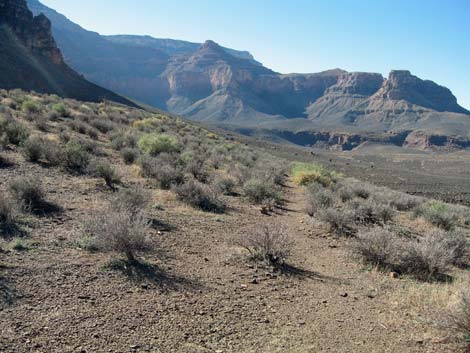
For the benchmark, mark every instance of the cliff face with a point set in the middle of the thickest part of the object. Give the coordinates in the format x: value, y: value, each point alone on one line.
x: 402, y: 85
x: 33, y: 32
x: 31, y: 60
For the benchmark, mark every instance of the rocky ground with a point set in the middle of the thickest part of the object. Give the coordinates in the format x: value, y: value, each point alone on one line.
x: 197, y: 294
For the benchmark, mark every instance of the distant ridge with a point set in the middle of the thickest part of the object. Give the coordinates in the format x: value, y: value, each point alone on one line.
x: 212, y: 84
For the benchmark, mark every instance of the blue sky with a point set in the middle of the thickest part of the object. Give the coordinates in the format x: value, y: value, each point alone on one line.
x: 431, y: 38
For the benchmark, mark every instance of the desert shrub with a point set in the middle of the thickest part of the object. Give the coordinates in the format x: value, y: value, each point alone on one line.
x: 129, y: 155
x: 438, y: 214
x: 28, y: 192
x: 271, y: 171
x: 216, y: 159
x: 424, y: 258
x: 41, y: 124
x: 162, y: 170
x: 378, y: 247
x: 76, y: 156
x: 8, y: 213
x: 345, y: 193
x: 340, y: 221
x: 305, y: 173
x: 370, y: 212
x: 33, y: 148
x: 122, y: 138
x: 457, y: 319
x: 52, y: 153
x: 16, y: 133
x: 362, y: 190
x: 18, y: 244
x: 79, y: 126
x: 240, y: 173
x: 52, y: 115
x: 119, y: 231
x: 149, y: 166
x: 29, y: 106
x: 260, y: 192
x: 318, y: 198
x: 403, y: 202
x: 60, y: 109
x: 92, y: 133
x: 271, y: 247
x: 225, y: 185
x: 102, y: 169
x: 168, y: 176
x: 154, y: 144
x: 102, y: 125
x: 428, y: 257
x: 133, y: 200
x: 198, y: 169
x: 199, y: 196
x: 458, y: 243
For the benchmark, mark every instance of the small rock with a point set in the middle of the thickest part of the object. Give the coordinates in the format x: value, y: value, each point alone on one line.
x: 301, y: 322
x: 393, y: 275
x: 343, y: 294
x: 254, y: 281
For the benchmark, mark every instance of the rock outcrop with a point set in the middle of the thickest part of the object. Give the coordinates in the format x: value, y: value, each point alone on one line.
x: 403, y: 86
x: 31, y: 60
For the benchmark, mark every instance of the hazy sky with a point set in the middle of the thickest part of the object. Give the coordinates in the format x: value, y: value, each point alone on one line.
x: 431, y: 38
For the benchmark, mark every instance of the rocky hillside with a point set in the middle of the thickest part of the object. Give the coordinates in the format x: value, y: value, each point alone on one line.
x: 30, y: 59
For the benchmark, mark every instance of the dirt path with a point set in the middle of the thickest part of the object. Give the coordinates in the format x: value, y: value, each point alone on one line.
x: 196, y: 298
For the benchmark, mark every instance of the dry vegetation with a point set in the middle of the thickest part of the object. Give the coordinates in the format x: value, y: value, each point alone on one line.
x: 102, y: 175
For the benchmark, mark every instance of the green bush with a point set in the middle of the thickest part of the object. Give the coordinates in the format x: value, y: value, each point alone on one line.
x: 16, y: 133
x: 61, y: 109
x: 154, y: 144
x: 306, y: 173
x: 29, y: 106
x: 76, y: 157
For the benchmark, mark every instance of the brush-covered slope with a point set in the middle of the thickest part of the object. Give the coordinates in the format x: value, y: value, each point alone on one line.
x: 30, y: 59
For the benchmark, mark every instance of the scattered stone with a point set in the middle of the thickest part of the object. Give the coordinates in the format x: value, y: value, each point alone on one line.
x: 393, y: 275
x: 343, y: 294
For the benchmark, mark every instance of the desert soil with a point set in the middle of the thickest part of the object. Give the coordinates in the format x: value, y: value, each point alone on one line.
x: 197, y: 294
